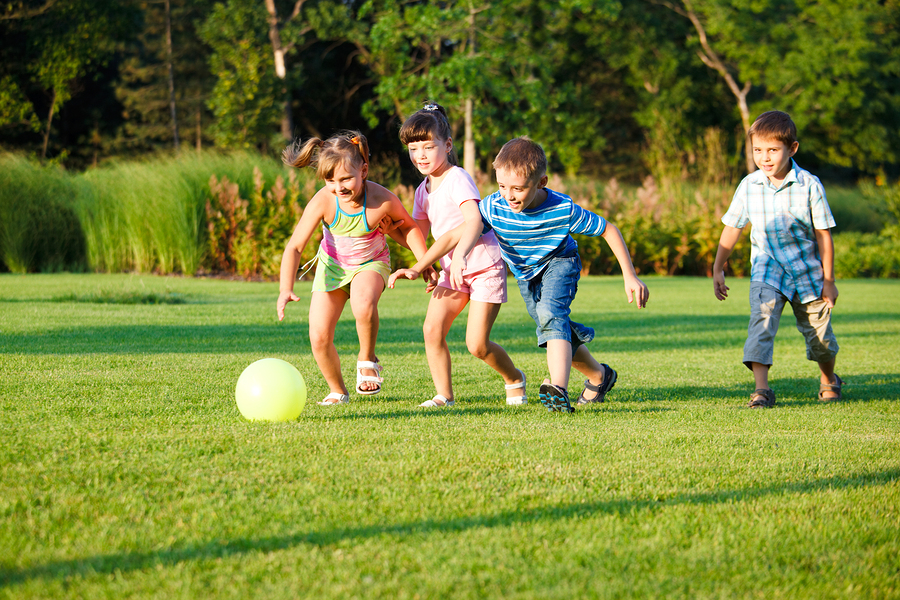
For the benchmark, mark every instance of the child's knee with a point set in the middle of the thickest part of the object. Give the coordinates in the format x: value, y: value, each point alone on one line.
x: 320, y: 338
x: 478, y: 348
x: 433, y: 332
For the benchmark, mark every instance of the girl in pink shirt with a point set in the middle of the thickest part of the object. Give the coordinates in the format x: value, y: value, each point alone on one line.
x: 448, y: 197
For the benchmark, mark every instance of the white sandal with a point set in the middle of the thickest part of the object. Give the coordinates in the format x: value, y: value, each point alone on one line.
x: 360, y: 378
x: 517, y: 400
x: 437, y: 402
x: 334, y: 398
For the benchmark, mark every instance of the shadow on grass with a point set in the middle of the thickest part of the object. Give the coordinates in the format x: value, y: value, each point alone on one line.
x: 123, y: 562
x: 793, y: 392
x: 624, y: 333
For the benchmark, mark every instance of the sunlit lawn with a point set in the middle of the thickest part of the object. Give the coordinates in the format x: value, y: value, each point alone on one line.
x: 127, y: 471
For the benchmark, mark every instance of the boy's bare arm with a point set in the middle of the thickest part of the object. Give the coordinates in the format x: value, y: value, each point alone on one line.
x: 635, y: 289
x: 727, y: 241
x: 826, y: 251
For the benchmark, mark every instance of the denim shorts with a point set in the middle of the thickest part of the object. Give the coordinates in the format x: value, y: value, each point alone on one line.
x: 548, y: 297
x: 813, y: 321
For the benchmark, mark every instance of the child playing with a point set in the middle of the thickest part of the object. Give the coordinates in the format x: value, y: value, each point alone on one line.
x: 792, y: 255
x: 353, y: 258
x: 448, y: 197
x: 533, y: 226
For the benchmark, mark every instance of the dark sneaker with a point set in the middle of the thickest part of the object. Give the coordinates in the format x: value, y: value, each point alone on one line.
x: 555, y: 398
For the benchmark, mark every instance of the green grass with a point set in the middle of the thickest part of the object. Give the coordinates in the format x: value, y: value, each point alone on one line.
x: 127, y: 471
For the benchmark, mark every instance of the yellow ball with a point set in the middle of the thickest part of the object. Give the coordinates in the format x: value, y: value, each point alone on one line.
x: 270, y: 390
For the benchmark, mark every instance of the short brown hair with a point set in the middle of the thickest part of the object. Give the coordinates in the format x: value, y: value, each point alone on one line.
x: 523, y: 157
x: 774, y: 124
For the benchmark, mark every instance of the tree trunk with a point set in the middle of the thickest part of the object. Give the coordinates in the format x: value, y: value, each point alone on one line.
x: 47, y: 131
x: 712, y: 60
x: 469, y: 145
x: 287, y: 126
x: 171, y: 75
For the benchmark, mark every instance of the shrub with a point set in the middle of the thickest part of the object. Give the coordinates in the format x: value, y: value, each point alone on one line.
x: 867, y: 254
x: 39, y: 230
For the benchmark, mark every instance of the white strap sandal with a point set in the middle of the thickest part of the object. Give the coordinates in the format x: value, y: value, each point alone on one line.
x: 334, y: 398
x: 360, y: 378
x: 437, y: 402
x: 517, y: 400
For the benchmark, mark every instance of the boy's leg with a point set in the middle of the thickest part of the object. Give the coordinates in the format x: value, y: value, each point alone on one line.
x: 766, y: 306
x: 814, y: 322
x: 365, y: 291
x: 324, y: 310
x: 443, y: 308
x: 559, y: 360
x: 478, y: 331
x: 585, y: 363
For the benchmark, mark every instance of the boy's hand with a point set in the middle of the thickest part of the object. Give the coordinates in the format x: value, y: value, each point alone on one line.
x: 457, y: 266
x: 636, y: 290
x: 719, y: 287
x: 830, y: 294
x: 283, y: 298
x: 386, y: 225
x: 407, y: 273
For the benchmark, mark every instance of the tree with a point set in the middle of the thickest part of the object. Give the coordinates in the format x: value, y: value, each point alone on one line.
x: 148, y: 90
x: 245, y: 97
x: 58, y: 45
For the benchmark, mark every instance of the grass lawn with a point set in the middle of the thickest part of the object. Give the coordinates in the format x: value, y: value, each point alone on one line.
x: 127, y: 471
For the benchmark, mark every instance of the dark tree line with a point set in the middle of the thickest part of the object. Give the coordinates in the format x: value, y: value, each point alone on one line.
x: 613, y: 88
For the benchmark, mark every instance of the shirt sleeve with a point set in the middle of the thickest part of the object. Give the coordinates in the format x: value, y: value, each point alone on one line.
x: 484, y: 207
x: 818, y: 204
x: 420, y: 205
x: 585, y: 222
x: 464, y: 189
x: 737, y: 216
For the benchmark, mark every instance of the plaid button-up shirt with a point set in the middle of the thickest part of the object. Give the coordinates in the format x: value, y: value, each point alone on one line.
x: 784, y: 252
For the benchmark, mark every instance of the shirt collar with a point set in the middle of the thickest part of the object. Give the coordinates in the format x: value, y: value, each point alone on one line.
x: 759, y: 178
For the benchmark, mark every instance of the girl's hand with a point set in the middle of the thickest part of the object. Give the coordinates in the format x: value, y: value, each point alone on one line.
x: 387, y: 224
x: 431, y: 278
x: 407, y: 273
x: 457, y: 267
x: 283, y: 298
x: 636, y: 290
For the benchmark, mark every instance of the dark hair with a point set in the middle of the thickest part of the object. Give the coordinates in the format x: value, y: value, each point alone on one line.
x: 346, y: 147
x: 428, y: 123
x: 523, y: 157
x: 774, y: 124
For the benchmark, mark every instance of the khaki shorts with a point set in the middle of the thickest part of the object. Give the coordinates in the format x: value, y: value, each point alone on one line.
x: 813, y: 321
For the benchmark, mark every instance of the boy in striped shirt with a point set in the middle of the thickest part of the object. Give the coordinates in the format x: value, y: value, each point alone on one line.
x: 533, y: 226
x: 791, y: 259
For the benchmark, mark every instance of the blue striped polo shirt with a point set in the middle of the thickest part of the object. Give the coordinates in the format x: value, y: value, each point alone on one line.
x: 784, y: 252
x: 531, y: 238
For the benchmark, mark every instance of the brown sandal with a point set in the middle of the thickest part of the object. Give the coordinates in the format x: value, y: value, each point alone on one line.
x: 834, y: 388
x: 762, y: 399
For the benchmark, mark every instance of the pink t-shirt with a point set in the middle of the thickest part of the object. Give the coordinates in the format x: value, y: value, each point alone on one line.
x: 441, y: 208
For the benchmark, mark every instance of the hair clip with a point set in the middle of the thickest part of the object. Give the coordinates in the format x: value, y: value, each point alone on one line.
x: 431, y: 107
x: 354, y: 140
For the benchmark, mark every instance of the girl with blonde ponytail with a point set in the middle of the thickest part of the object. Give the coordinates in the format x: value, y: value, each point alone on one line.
x: 353, y: 261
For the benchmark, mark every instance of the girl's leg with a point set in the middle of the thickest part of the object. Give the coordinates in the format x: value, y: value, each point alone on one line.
x: 478, y: 331
x: 324, y: 310
x: 444, y: 307
x: 365, y: 291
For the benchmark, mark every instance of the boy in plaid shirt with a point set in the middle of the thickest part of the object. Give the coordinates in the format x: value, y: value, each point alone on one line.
x: 792, y: 255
